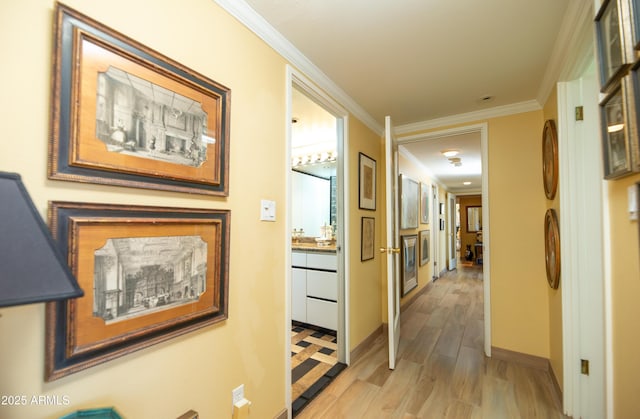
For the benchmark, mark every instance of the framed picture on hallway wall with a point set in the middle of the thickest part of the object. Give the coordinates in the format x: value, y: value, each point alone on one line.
x: 424, y: 203
x: 367, y: 182
x: 367, y: 238
x: 425, y: 247
x: 619, y: 125
x: 123, y: 114
x: 409, y: 196
x: 149, y: 274
x: 409, y: 263
x: 614, y: 52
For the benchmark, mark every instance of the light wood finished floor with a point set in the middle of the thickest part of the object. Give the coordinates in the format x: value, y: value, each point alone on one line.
x: 442, y: 371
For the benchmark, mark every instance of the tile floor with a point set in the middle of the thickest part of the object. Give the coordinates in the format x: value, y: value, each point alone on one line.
x: 314, y: 364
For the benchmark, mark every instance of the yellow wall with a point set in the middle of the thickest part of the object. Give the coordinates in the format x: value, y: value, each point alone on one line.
x: 550, y: 111
x: 425, y: 272
x: 465, y: 237
x: 365, y: 277
x: 625, y: 284
x: 213, y: 361
x: 519, y: 300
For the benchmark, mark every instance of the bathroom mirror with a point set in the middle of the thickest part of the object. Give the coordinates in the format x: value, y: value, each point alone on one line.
x: 474, y: 219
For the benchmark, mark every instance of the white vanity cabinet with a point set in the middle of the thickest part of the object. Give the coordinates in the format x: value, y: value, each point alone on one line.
x: 314, y: 288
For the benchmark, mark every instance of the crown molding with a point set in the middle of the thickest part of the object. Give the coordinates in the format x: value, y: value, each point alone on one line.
x: 258, y: 25
x: 413, y: 159
x: 572, y: 49
x: 495, y: 112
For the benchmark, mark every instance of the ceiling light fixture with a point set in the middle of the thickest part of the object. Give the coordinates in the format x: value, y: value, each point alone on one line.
x: 615, y: 127
x: 450, y: 153
x: 466, y: 183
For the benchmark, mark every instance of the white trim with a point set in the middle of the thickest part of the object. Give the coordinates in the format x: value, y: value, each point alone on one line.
x: 258, y: 25
x: 287, y: 243
x: 295, y: 77
x: 464, y: 118
x: 584, y: 313
x: 483, y: 129
x: 571, y: 47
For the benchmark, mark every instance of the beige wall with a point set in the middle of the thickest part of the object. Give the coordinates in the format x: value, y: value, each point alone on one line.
x: 519, y: 300
x: 465, y: 237
x: 425, y: 272
x: 365, y: 277
x: 625, y: 287
x: 550, y: 111
x: 248, y: 348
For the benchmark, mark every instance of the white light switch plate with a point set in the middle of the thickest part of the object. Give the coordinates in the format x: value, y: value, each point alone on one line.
x: 267, y: 210
x: 633, y: 202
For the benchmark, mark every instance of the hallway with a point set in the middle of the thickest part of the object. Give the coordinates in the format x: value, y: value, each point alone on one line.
x: 441, y: 372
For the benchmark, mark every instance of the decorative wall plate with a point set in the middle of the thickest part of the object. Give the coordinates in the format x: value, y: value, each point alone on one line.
x: 550, y: 158
x: 552, y: 247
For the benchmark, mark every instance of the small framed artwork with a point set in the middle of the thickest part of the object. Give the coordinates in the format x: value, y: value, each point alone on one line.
x: 612, y: 47
x: 123, y: 114
x: 619, y: 148
x: 367, y: 182
x: 149, y: 274
x: 424, y: 203
x: 441, y: 208
x: 552, y: 248
x: 409, y: 263
x: 409, y: 195
x: 191, y: 414
x: 633, y: 17
x: 425, y: 248
x: 441, y: 225
x: 550, y: 158
x: 367, y: 238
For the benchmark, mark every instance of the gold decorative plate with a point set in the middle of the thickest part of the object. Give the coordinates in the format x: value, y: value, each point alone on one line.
x: 550, y: 158
x: 552, y: 247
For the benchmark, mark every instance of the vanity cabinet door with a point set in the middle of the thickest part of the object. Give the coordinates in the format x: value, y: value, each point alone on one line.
x: 299, y: 294
x: 322, y: 313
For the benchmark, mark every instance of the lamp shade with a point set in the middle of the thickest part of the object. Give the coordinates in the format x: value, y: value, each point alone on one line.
x: 32, y: 268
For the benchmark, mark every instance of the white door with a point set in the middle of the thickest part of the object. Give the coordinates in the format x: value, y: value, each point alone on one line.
x: 435, y: 231
x: 451, y: 232
x: 392, y: 251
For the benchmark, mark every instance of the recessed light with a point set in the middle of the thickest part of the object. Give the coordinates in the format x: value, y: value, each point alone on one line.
x: 450, y: 153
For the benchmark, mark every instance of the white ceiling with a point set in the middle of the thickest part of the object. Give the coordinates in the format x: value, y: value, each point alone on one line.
x: 420, y: 60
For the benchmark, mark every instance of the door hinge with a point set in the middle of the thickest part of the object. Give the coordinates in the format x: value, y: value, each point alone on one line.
x: 584, y: 366
x: 579, y: 113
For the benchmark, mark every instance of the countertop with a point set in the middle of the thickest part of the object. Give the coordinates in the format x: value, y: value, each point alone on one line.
x: 313, y: 247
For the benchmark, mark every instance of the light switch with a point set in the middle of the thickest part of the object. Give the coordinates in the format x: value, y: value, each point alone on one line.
x: 633, y: 202
x: 267, y: 210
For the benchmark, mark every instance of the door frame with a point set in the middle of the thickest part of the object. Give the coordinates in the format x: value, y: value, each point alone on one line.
x: 586, y: 316
x: 301, y: 82
x: 483, y: 130
x: 452, y: 248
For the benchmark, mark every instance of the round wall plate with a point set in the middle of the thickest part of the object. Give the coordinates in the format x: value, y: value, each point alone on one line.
x: 552, y: 247
x: 550, y: 158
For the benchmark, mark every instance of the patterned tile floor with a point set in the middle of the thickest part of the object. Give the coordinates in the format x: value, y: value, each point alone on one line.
x: 314, y: 364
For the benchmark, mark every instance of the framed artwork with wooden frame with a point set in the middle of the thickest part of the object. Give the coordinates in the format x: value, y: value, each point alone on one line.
x: 367, y: 239
x: 424, y: 203
x: 552, y: 248
x: 409, y: 262
x: 123, y: 114
x: 367, y: 182
x: 614, y: 46
x: 409, y: 202
x: 550, y: 158
x: 619, y: 125
x: 425, y: 247
x: 149, y: 274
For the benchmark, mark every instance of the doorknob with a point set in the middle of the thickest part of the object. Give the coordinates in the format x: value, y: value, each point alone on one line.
x: 389, y: 250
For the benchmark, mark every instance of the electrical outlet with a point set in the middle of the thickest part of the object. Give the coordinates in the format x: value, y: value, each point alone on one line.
x: 237, y: 394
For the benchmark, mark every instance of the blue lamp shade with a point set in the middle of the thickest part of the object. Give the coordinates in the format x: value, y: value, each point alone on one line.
x: 32, y: 268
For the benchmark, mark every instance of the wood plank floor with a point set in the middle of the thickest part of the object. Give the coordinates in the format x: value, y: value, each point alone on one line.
x: 442, y: 371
